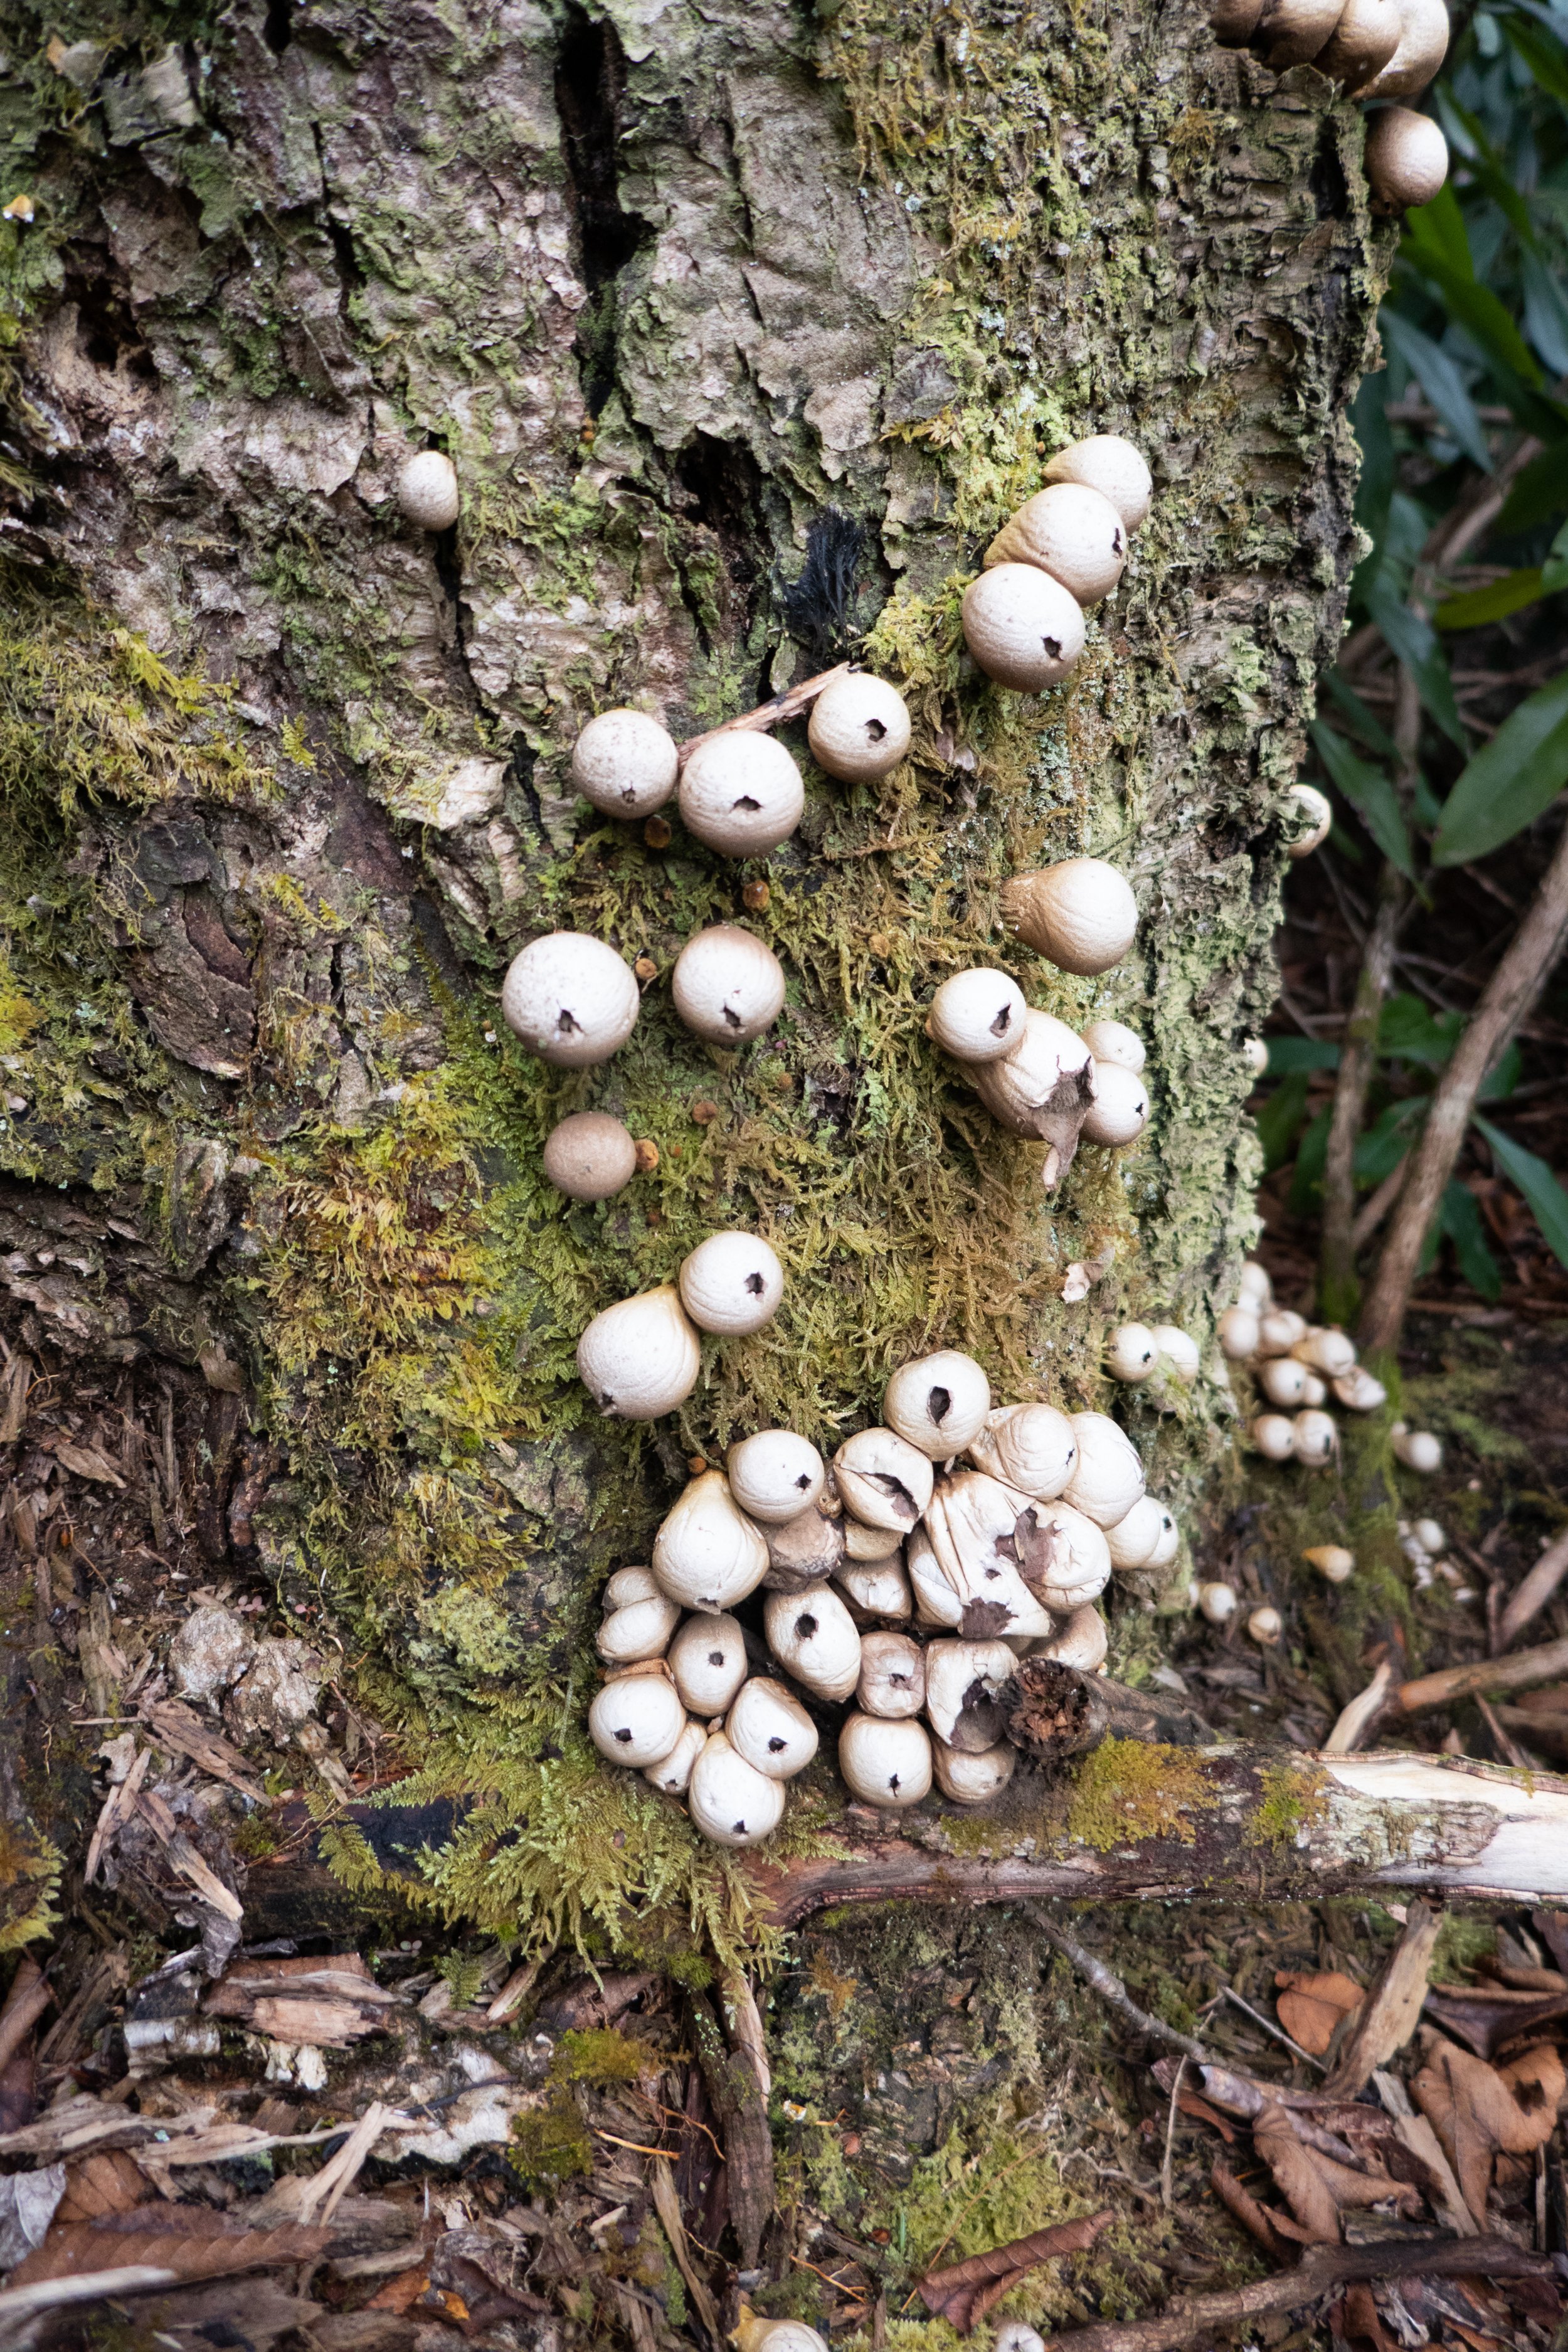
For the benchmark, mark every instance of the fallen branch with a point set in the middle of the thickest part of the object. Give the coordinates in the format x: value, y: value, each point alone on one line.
x: 1526, y: 1669
x: 965, y: 2292
x: 1530, y: 1597
x: 1110, y: 1989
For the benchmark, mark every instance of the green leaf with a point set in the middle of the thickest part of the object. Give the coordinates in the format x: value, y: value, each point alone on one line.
x: 1441, y: 381
x: 1554, y: 572
x: 1495, y: 602
x: 1541, y: 53
x: 1379, y: 1152
x: 1511, y: 780
x: 1371, y: 731
x: 1408, y: 1030
x: 1307, y: 1181
x: 1371, y: 794
x: 1500, y: 1081
x: 1460, y: 1219
x: 1287, y: 1054
x: 1439, y: 227
x: 1548, y: 1201
x: 1540, y: 492
x: 1279, y: 1120
x: 1415, y: 642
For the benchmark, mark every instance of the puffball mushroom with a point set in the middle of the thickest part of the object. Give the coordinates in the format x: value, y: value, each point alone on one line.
x: 1361, y: 43
x: 1416, y: 1448
x: 1264, y: 1626
x: 707, y: 1555
x: 974, y: 1780
x: 1238, y: 1333
x: 742, y: 793
x: 1217, y: 1602
x: 732, y: 1283
x: 1283, y: 1380
x: 978, y: 1016
x: 1316, y: 1391
x: 1017, y: 2335
x: 708, y: 1659
x: 589, y: 1156
x: 866, y: 1546
x: 776, y: 1474
x: 804, y: 1550
x: 1022, y: 627
x: 938, y: 1403
x: 1279, y: 1331
x: 1315, y: 1438
x: 966, y: 1684
x: 1326, y: 1350
x: 1292, y: 32
x: 1431, y: 1537
x: 813, y: 1638
x: 885, y: 1762
x: 1358, y: 1392
x: 636, y: 1719
x: 1255, y: 1053
x: 672, y: 1773
x: 1422, y: 46
x: 1084, y: 1641
x: 884, y: 1480
x: 629, y: 1584
x: 1107, y: 463
x: 1314, y: 807
x: 1234, y: 22
x: 427, y: 489
x: 1132, y: 1538
x: 1079, y: 914
x: 757, y: 2335
x: 641, y: 1356
x: 1071, y: 532
x: 1112, y: 1041
x: 769, y: 1726
x: 641, y: 1630
x: 1406, y: 162
x: 1120, y: 1111
x: 1041, y: 1089
x: 1179, y: 1350
x: 1331, y: 1561
x: 1073, y: 1556
x: 892, y: 1675
x: 571, y: 998
x: 1274, y: 1436
x: 1030, y: 1446
x: 1107, y: 1476
x: 1131, y: 1353
x: 880, y: 1587
x: 1168, y: 1542
x: 728, y: 984
x: 625, y: 763
x: 1254, y: 1287
x: 729, y: 1800
x: 859, y: 727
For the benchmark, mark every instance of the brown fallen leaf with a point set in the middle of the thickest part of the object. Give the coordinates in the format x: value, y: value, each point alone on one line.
x: 400, y: 2294
x: 1311, y: 2006
x: 1538, y: 2080
x: 190, y: 2241
x: 964, y: 2292
x: 1357, y: 2323
x: 1189, y: 2104
x: 1478, y: 2113
x: 1308, y: 2196
x: 1483, y: 2017
x: 88, y: 1461
x: 109, y: 2182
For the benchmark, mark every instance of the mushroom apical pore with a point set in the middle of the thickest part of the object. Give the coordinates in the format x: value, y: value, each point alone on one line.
x: 859, y: 726
x: 813, y: 1638
x: 978, y: 1016
x: 427, y: 489
x: 1266, y: 1627
x: 1030, y: 1446
x: 1283, y: 1380
x: 742, y: 793
x: 974, y: 1780
x: 769, y: 1726
x: 1022, y: 627
x: 1424, y: 33
x: 641, y: 1356
x: 729, y: 1800
x: 1071, y: 532
x: 732, y: 1283
x: 1406, y: 162
x: 707, y: 1660
x: 1042, y: 1089
x: 1131, y: 1352
x: 885, y: 1762
x: 967, y: 1564
x: 938, y: 1403
x: 1120, y: 1111
x: 966, y: 1692
x: 883, y: 1479
x: 637, y: 1720
x: 728, y: 984
x: 1113, y: 467
x: 1315, y: 1438
x: 707, y: 1555
x: 570, y: 999
x: 589, y: 1156
x: 1079, y: 914
x: 1312, y: 811
x: 1107, y: 1476
x: 625, y: 763
x: 1217, y: 1602
x: 774, y: 1475
x: 1112, y: 1041
x: 892, y: 1675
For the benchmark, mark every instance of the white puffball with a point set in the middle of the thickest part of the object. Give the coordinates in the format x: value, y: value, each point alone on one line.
x: 776, y: 1474
x: 892, y: 1675
x: 672, y: 1773
x: 938, y: 1403
x: 768, y: 1726
x: 729, y: 1800
x: 637, y: 1720
x: 1418, y: 1449
x: 641, y: 1356
x: 641, y: 1630
x: 885, y: 1762
x: 727, y: 984
x: 1072, y: 532
x: 974, y: 1780
x: 1254, y: 1287
x: 1108, y: 463
x: 1238, y: 1333
x: 859, y: 728
x: 1107, y: 1476
x: 1217, y: 1602
x: 1274, y: 1436
x: 1431, y: 1537
x: 742, y: 793
x: 708, y: 1659
x: 589, y: 1156
x: 978, y: 1016
x: 1120, y: 1111
x: 427, y: 489
x: 1315, y: 1439
x: 1278, y: 1329
x: 813, y: 1638
x: 1132, y: 1539
x: 732, y: 1283
x: 1112, y: 1041
x: 1079, y: 913
x: 571, y: 998
x: 1180, y: 1351
x: 1264, y: 1626
x: 629, y: 1584
x: 625, y: 762
x: 1131, y: 1353
x: 1022, y: 627
x: 1283, y: 1380
x: 1312, y: 809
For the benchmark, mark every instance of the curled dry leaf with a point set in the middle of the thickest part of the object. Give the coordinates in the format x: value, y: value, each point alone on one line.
x: 1311, y: 2007
x: 1308, y: 2196
x: 1479, y: 2112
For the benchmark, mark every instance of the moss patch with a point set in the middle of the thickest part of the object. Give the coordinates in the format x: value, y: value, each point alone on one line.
x: 1128, y: 1790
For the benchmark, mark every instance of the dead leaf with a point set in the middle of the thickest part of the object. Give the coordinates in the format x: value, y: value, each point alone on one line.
x: 1311, y: 2007
x: 400, y: 2294
x: 1478, y: 2113
x: 1308, y: 2196
x: 28, y: 2201
x: 107, y: 2183
x: 1484, y: 2017
x: 88, y: 1461
x: 190, y: 2241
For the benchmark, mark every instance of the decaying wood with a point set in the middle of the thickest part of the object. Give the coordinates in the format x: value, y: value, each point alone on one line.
x: 1526, y: 1669
x: 731, y: 2084
x: 1059, y: 1712
x: 964, y: 2293
x: 1386, y: 2021
x: 1531, y: 1596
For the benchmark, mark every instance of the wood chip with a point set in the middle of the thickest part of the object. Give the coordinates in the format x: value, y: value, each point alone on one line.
x: 1389, y: 2019
x: 667, y: 2205
x: 179, y: 1728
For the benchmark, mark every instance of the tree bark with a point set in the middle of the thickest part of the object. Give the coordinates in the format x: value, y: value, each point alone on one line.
x: 744, y: 331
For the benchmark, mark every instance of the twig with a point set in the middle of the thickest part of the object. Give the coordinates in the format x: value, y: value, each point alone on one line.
x: 1357, y: 1719
x: 1109, y: 1986
x: 1270, y: 2027
x: 1168, y: 2168
x: 30, y: 1994
x: 1509, y: 1750
x: 1530, y: 1597
x: 1376, y: 1207
x: 775, y: 712
x: 1526, y: 1669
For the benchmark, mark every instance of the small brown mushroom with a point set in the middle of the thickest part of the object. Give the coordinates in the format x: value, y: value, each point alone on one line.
x: 1406, y: 159
x: 589, y: 1156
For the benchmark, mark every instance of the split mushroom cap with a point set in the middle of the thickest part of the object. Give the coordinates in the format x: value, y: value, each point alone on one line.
x: 1326, y: 1350
x: 589, y: 1156
x: 1077, y: 1558
x: 1071, y: 532
x: 813, y: 1638
x: 1254, y: 1287
x: 859, y: 727
x: 1314, y: 807
x: 636, y: 1719
x: 880, y: 1587
x: 974, y: 1780
x: 1238, y: 1333
x: 885, y: 1762
x: 1255, y: 1053
x: 1120, y: 1111
x: 1422, y: 46
x: 427, y: 489
x: 892, y: 1675
x: 1331, y: 1560
x: 707, y: 1555
x: 1084, y: 1641
x: 883, y: 1479
x: 732, y: 1283
x: 1022, y: 627
x: 629, y: 1584
x: 1358, y: 1392
x: 1406, y: 162
x: 742, y: 793
x: 729, y: 1800
x: 938, y: 1403
x: 1431, y: 1537
x: 672, y: 1773
x: 768, y: 1726
x: 727, y: 986
x: 866, y: 1545
x: 1025, y: 1090
x: 1292, y: 32
x: 1264, y: 1626
x: 1316, y: 1437
x: 978, y: 1016
x: 1030, y: 1446
x: 1180, y: 1351
x: 641, y: 1630
x: 1107, y: 463
x: 1274, y: 1436
x: 1217, y: 1602
x: 1132, y: 1354
x: 571, y: 998
x: 1107, y: 1476
x: 1112, y: 1041
x: 1279, y: 1328
x: 1079, y: 914
x: 1132, y: 1539
x: 1361, y: 43
x: 641, y: 1356
x: 966, y: 1686
x: 708, y: 1659
x: 1283, y: 1380
x: 776, y: 1474
x: 1416, y: 1448
x: 625, y: 763
x: 970, y: 1561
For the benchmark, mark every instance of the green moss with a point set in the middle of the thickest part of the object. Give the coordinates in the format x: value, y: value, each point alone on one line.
x: 1128, y: 1790
x: 599, y: 2056
x: 550, y: 2145
x: 1292, y: 1798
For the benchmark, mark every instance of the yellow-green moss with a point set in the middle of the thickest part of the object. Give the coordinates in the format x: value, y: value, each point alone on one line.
x: 1128, y: 1790
x: 1291, y: 1798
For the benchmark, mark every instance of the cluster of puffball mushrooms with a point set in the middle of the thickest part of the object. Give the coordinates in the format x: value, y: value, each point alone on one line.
x: 906, y: 1578
x: 1375, y: 49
